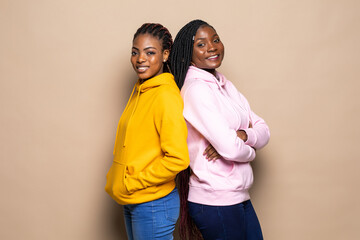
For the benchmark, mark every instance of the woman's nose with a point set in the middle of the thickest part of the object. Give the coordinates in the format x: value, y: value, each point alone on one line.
x: 212, y: 47
x: 141, y: 58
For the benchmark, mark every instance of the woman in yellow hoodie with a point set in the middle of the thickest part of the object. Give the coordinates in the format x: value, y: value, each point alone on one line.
x: 150, y: 146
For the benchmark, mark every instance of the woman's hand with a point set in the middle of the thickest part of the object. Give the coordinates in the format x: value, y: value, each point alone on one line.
x: 211, y: 153
x: 242, y: 134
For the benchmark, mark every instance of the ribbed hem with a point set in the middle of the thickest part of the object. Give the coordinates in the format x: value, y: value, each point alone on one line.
x: 146, y: 195
x: 217, y: 197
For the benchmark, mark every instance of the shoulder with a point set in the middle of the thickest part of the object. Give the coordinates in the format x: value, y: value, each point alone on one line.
x: 199, y: 95
x: 196, y: 85
x: 168, y: 95
x: 196, y: 91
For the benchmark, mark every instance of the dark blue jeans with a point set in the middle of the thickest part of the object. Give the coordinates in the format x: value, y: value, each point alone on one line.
x: 235, y: 222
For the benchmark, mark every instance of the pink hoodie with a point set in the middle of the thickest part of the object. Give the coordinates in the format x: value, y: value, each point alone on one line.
x: 214, y: 110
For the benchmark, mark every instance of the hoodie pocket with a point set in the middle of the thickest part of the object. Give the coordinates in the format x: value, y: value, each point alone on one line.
x: 221, y: 167
x: 227, y: 175
x: 219, y: 171
x: 242, y: 177
x: 115, y: 184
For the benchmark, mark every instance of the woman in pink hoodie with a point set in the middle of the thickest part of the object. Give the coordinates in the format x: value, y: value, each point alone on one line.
x: 223, y: 136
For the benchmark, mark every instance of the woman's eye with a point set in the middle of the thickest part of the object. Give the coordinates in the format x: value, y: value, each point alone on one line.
x: 201, y: 45
x: 217, y: 40
x: 150, y: 53
x: 133, y: 53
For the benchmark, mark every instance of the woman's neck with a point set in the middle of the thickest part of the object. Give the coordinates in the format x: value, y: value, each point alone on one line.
x: 212, y: 71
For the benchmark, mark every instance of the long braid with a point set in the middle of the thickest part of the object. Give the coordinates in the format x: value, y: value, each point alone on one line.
x: 160, y: 32
x: 180, y: 60
x: 182, y: 50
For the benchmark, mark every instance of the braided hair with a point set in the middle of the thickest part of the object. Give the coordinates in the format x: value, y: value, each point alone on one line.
x: 182, y: 50
x: 180, y: 60
x: 160, y: 32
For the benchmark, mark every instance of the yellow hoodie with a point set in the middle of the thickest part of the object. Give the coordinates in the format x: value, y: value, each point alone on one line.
x: 150, y: 146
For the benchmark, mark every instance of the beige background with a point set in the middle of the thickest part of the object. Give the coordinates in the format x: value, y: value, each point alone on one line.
x: 65, y: 77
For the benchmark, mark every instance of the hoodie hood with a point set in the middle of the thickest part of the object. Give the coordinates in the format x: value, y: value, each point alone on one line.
x: 200, y: 74
x: 161, y: 79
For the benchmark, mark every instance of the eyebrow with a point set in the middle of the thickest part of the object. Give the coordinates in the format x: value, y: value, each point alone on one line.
x: 204, y: 38
x: 145, y: 48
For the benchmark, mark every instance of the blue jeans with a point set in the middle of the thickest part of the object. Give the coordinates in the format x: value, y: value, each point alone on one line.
x: 153, y: 220
x: 235, y: 222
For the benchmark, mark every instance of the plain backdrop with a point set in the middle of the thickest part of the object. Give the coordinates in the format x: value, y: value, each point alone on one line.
x: 65, y: 77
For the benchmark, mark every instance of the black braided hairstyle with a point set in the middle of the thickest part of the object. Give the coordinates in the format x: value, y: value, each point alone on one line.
x: 160, y: 32
x: 180, y: 60
x: 182, y: 50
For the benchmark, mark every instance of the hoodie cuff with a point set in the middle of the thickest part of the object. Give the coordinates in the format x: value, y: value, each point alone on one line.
x: 251, y: 137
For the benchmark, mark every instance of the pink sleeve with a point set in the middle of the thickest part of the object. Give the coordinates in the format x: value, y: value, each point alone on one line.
x: 259, y: 134
x: 201, y: 111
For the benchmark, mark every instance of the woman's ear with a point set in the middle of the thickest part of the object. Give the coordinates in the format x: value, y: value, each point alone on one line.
x: 166, y: 54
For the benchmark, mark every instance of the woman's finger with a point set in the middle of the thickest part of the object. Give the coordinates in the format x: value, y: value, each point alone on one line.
x: 212, y: 154
x: 208, y: 149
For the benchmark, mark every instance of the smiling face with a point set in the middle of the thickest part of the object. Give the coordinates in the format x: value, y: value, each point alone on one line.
x: 208, y: 51
x: 147, y: 56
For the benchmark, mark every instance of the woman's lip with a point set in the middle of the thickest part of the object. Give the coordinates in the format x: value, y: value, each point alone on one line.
x: 141, y: 69
x: 214, y: 57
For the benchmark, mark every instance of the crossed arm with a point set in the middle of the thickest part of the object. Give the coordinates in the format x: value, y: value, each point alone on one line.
x: 210, y: 152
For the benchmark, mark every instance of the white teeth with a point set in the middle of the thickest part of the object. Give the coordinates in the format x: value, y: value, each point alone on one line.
x: 212, y: 57
x: 142, y: 69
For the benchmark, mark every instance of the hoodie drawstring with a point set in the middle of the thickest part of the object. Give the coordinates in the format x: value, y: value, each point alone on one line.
x: 117, y: 130
x: 132, y: 113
